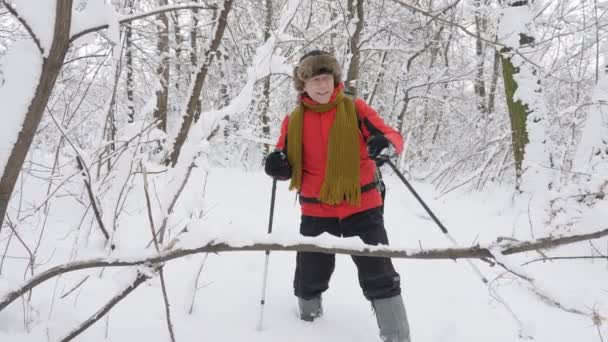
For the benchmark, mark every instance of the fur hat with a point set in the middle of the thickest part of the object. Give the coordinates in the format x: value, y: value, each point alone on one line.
x: 316, y: 63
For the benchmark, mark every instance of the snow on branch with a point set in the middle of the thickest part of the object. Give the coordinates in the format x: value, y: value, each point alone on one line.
x: 550, y: 242
x: 122, y: 20
x: 323, y: 244
x: 164, y: 9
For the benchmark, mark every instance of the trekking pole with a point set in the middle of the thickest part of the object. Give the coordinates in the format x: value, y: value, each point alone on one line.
x: 263, y: 298
x: 494, y: 293
x: 432, y: 215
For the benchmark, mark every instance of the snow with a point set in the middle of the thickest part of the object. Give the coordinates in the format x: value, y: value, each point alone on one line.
x: 537, y: 174
x: 40, y: 17
x: 514, y: 20
x: 594, y: 130
x: 445, y: 300
x: 20, y: 69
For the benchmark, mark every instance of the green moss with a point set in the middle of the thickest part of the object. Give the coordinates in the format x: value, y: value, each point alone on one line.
x: 518, y: 113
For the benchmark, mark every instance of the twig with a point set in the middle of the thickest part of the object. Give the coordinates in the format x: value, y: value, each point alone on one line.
x: 181, y: 188
x: 149, y: 207
x: 4, y: 256
x: 92, y: 199
x: 514, y: 272
x: 597, y: 321
x: 552, y: 302
x: 141, y: 278
x: 163, y: 227
x: 167, y: 306
x: 25, y: 25
x: 198, y: 275
x: 32, y: 257
x: 74, y: 288
x: 566, y: 258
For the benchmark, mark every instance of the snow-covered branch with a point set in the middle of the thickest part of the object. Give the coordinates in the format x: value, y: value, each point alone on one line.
x: 130, y: 18
x: 550, y: 242
x: 303, y: 244
x: 165, y: 9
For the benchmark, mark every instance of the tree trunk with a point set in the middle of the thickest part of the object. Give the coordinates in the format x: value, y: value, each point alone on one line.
x: 518, y: 109
x: 265, y: 103
x: 179, y: 43
x: 163, y: 69
x: 480, y: 86
x: 353, y: 69
x: 518, y: 113
x: 494, y: 82
x: 199, y: 82
x: 194, y: 53
x: 51, y: 67
x: 379, y: 77
x: 130, y: 81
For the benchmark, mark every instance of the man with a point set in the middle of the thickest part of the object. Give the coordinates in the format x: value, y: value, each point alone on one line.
x: 327, y: 147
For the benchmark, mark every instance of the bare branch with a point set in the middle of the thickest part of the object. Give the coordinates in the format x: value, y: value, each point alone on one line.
x: 27, y: 27
x: 490, y: 42
x: 445, y: 21
x: 149, y: 206
x: 131, y: 18
x: 547, y: 243
x: 475, y: 252
x: 75, y: 287
x: 582, y: 257
x: 94, y: 204
x: 167, y: 306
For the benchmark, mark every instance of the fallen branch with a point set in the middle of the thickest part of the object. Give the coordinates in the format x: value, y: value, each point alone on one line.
x: 475, y: 252
x: 550, y: 242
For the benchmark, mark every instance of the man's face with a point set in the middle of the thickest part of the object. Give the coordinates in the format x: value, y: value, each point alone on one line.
x: 320, y: 88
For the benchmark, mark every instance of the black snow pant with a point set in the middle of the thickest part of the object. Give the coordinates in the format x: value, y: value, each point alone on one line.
x: 377, y: 276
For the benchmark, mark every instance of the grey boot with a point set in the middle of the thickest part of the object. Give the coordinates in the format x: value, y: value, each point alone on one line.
x: 392, y: 319
x: 310, y: 309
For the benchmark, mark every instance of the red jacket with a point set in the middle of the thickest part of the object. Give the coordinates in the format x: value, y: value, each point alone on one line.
x: 315, y: 138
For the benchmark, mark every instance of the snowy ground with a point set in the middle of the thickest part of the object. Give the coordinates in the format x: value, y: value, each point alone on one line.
x: 445, y: 300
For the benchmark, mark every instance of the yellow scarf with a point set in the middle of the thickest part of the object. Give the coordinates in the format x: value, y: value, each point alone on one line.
x: 342, y: 170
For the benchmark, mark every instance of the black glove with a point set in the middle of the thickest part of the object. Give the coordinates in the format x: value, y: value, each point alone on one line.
x: 277, y: 165
x: 376, y: 144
